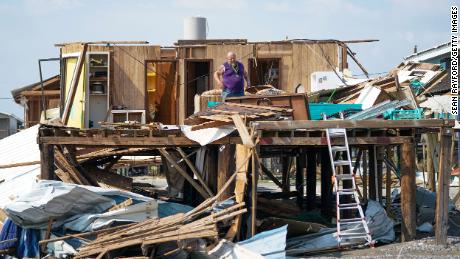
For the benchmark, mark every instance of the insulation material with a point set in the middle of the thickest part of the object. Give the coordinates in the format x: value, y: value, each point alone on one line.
x: 206, y: 136
x: 368, y: 96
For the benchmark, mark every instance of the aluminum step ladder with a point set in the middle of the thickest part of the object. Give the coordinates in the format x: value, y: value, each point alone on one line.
x: 341, y: 158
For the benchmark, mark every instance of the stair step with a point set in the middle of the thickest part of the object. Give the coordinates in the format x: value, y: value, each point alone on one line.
x: 349, y: 206
x: 346, y: 191
x: 339, y: 148
x: 352, y: 220
x: 341, y: 162
x: 344, y: 176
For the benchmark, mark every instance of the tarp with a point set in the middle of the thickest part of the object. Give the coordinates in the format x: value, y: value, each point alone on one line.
x: 206, y: 136
x: 380, y: 227
x: 270, y: 244
x: 60, y: 201
x: 228, y: 250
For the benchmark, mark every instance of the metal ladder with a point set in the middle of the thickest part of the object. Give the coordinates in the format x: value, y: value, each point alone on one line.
x: 339, y: 178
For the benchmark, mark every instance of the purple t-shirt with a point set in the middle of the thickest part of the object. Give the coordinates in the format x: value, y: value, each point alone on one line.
x: 233, y: 78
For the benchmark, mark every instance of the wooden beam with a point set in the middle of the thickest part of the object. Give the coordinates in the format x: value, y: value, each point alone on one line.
x: 65, y: 165
x: 242, y: 130
x: 326, y: 183
x: 372, y: 173
x: 442, y: 195
x: 242, y: 163
x: 311, y: 178
x: 429, y: 164
x: 124, y: 42
x: 300, y: 176
x: 270, y: 175
x: 182, y: 172
x: 152, y: 142
x: 351, y: 124
x: 286, y: 169
x: 38, y: 93
x: 74, y: 84
x: 47, y: 162
x: 408, y: 192
x: 195, y: 171
x: 388, y: 182
x: 254, y: 178
x: 225, y: 169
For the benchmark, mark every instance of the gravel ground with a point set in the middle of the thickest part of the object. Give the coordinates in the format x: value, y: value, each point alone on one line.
x: 422, y: 248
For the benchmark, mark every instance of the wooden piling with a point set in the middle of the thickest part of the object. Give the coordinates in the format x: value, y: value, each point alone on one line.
x: 311, y: 178
x: 442, y: 195
x: 408, y: 190
x: 299, y: 175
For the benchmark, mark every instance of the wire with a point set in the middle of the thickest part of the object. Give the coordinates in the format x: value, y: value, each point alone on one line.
x: 180, y: 84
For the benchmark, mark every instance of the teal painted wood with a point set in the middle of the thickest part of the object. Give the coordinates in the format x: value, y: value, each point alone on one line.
x: 316, y: 109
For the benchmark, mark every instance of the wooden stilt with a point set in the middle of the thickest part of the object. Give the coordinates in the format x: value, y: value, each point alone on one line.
x: 408, y: 190
x: 311, y: 178
x: 225, y: 169
x: 299, y: 176
x: 372, y: 173
x: 379, y: 166
x: 286, y: 167
x: 326, y: 183
x: 365, y: 176
x: 431, y: 181
x: 388, y: 181
x: 47, y: 162
x: 442, y: 195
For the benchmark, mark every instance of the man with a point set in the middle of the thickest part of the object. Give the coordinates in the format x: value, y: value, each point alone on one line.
x: 230, y: 77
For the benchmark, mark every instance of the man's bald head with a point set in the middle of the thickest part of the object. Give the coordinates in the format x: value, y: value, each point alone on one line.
x: 231, y: 57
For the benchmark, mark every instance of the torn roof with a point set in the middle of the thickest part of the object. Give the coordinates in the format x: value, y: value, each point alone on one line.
x: 429, y: 53
x: 49, y: 84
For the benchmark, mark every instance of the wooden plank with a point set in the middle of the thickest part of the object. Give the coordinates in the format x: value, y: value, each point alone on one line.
x: 442, y: 195
x: 270, y: 175
x: 321, y: 141
x: 300, y: 175
x: 195, y: 171
x: 225, y: 168
x: 430, y: 162
x: 326, y: 183
x: 242, y: 152
x: 311, y: 178
x: 388, y: 182
x: 254, y: 178
x: 183, y: 173
x: 62, y: 163
x: 372, y: 173
x: 74, y: 84
x: 352, y: 124
x: 39, y: 93
x: 286, y: 169
x: 47, y: 162
x: 408, y: 191
x: 242, y: 130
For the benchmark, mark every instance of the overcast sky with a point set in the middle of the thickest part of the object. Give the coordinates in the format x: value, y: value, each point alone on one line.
x: 30, y: 28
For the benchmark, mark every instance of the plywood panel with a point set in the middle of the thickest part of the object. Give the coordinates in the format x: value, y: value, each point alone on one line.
x: 77, y: 111
x: 128, y: 85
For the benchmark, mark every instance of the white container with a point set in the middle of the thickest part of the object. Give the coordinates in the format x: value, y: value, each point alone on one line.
x: 195, y: 28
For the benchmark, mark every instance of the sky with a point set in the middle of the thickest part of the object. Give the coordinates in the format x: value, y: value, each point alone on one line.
x: 30, y: 28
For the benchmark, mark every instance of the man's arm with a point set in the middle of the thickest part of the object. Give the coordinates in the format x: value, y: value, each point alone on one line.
x: 247, y: 78
x: 218, y: 78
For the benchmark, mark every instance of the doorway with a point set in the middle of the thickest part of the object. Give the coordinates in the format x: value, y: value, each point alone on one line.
x: 198, y: 78
x: 161, y: 92
x: 265, y: 71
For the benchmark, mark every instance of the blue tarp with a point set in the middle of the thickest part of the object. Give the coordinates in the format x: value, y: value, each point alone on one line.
x: 270, y: 244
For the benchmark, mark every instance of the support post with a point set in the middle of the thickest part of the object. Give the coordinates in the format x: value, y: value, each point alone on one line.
x: 388, y: 181
x: 299, y: 176
x: 442, y: 195
x: 326, y: 183
x: 47, y: 162
x: 286, y: 167
x: 311, y: 178
x: 365, y: 169
x: 379, y: 175
x: 408, y: 190
x: 431, y: 181
x: 372, y: 173
x: 225, y: 169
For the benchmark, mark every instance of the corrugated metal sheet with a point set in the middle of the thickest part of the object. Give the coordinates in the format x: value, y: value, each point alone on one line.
x: 18, y: 148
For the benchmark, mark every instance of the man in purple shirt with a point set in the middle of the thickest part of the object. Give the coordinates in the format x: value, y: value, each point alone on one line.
x: 230, y: 77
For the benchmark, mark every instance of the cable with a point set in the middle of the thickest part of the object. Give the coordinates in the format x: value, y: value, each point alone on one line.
x: 180, y: 84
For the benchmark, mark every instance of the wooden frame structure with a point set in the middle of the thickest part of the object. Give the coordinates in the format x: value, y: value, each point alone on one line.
x: 272, y: 138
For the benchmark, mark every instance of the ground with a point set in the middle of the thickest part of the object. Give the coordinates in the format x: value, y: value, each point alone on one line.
x: 423, y: 248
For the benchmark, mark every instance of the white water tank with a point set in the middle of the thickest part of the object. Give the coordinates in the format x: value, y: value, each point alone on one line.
x: 195, y: 28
